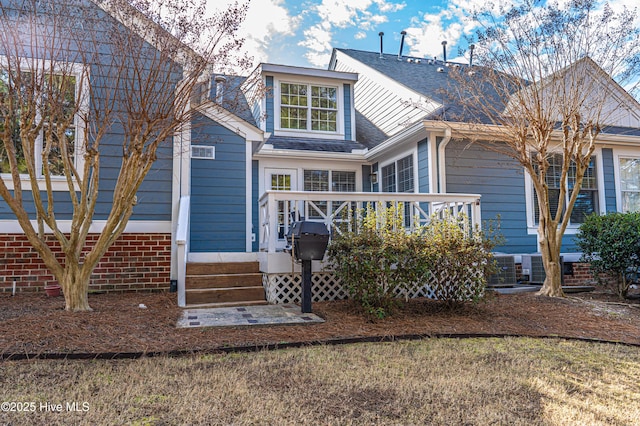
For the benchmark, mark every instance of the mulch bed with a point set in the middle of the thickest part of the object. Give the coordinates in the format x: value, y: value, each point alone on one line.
x: 32, y: 324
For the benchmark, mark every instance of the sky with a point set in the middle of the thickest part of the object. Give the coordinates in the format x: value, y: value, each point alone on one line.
x: 303, y: 32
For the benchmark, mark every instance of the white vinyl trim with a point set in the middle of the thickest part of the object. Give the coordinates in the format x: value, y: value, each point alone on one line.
x: 11, y: 226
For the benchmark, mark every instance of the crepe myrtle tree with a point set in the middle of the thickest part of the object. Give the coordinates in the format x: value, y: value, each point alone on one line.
x: 81, y: 80
x: 541, y: 91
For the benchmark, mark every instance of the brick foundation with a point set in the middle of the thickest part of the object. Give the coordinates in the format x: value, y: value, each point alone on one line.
x: 581, y: 274
x: 135, y: 262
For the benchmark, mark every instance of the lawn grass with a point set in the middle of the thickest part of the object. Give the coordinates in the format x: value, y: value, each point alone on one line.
x: 436, y: 381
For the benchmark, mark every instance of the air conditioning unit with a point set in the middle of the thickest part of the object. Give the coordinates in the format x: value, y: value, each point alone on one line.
x: 533, y: 267
x: 506, y: 274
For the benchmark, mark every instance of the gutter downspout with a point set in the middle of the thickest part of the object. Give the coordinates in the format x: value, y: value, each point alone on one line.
x: 442, y: 172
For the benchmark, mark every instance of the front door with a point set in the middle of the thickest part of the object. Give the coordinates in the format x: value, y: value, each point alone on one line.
x: 282, y: 180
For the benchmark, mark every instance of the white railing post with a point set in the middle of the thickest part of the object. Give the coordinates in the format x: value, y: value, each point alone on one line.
x: 272, y: 222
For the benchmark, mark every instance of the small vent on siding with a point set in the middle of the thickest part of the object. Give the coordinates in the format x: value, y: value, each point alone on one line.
x: 203, y: 152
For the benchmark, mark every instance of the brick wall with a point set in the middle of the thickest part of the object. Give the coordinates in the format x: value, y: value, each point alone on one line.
x: 581, y: 275
x: 134, y: 262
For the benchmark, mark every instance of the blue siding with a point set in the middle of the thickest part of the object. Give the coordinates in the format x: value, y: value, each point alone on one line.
x: 269, y: 104
x: 348, y: 135
x: 366, y: 178
x: 255, y: 211
x: 609, y: 180
x: 218, y: 191
x: 500, y: 181
x: 423, y: 166
x: 154, y: 195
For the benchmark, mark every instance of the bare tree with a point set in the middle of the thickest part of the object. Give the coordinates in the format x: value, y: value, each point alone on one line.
x: 543, y: 93
x: 82, y: 80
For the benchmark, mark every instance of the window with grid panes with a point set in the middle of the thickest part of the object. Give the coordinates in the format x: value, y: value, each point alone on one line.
x: 308, y: 107
x: 321, y: 180
x: 587, y: 201
x: 343, y: 181
x: 56, y: 94
x: 630, y: 184
x: 405, y: 174
x: 388, y: 177
x: 293, y: 106
x: 316, y: 180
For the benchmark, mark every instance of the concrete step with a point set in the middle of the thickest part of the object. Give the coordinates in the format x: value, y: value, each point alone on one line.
x: 228, y: 304
x: 224, y: 295
x: 223, y: 268
x: 223, y: 281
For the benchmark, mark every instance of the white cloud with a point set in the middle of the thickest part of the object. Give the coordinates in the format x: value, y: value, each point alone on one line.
x: 340, y: 15
x: 386, y: 7
x: 265, y: 21
x: 426, y: 38
x: 426, y: 33
x: 318, y: 41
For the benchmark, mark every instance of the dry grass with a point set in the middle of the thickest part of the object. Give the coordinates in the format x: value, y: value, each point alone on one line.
x: 438, y: 381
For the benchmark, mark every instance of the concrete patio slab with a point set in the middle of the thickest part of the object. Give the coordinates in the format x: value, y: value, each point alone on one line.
x: 286, y: 314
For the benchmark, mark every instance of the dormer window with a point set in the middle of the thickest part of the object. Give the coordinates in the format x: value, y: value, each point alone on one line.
x: 308, y: 107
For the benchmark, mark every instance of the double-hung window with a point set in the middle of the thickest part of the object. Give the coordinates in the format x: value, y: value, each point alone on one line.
x: 630, y: 184
x: 308, y: 107
x: 48, y: 103
x: 398, y: 177
x: 587, y: 201
x: 322, y: 180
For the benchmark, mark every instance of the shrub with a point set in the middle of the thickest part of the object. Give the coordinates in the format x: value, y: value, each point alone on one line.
x: 611, y: 243
x: 378, y: 260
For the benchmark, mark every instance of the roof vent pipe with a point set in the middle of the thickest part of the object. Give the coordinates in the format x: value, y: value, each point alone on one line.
x: 381, y: 34
x: 220, y: 80
x: 403, y: 33
x: 444, y: 51
x: 473, y: 46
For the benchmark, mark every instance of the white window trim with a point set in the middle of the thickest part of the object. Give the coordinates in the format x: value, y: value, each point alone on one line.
x: 205, y: 147
x: 617, y: 154
x: 278, y: 130
x: 395, y: 159
x: 81, y: 72
x: 572, y: 229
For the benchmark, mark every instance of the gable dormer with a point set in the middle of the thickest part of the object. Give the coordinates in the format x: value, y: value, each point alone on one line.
x: 303, y: 102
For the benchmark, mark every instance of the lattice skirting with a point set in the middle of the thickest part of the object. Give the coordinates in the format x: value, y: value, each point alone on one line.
x: 286, y: 288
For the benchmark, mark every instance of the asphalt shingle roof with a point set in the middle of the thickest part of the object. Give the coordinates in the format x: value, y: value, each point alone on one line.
x: 313, y: 144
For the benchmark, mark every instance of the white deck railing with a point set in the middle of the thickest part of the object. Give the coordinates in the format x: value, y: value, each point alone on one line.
x: 279, y: 209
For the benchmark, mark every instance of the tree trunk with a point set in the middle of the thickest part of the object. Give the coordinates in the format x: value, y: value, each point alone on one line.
x: 553, y: 282
x: 75, y: 285
x: 550, y: 250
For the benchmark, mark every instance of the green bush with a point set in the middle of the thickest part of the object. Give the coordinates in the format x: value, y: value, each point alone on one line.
x: 378, y: 260
x: 611, y: 243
